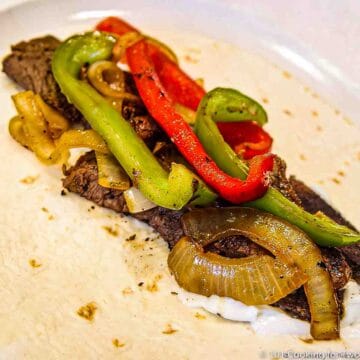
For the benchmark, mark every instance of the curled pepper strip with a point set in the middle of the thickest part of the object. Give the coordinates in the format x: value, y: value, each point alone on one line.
x: 160, y: 106
x: 246, y: 138
x: 178, y: 84
x: 215, y: 107
x: 172, y: 190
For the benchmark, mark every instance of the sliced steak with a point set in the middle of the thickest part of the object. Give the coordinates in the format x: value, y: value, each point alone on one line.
x: 166, y: 222
x: 82, y: 179
x: 141, y: 121
x: 236, y: 247
x: 29, y: 65
x: 295, y: 304
x: 280, y: 181
x: 337, y: 266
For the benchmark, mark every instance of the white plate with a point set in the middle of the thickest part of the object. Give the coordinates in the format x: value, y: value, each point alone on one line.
x: 82, y: 263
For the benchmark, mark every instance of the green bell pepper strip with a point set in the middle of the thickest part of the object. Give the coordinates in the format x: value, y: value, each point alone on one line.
x: 171, y: 190
x: 215, y: 107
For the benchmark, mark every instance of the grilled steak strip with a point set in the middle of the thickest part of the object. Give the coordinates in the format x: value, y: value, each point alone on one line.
x: 82, y: 179
x: 29, y: 65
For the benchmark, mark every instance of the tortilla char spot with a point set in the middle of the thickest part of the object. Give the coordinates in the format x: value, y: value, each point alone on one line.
x: 110, y: 230
x: 169, y: 330
x: 287, y: 112
x: 287, y: 75
x: 152, y: 286
x: 131, y: 238
x: 314, y: 113
x: 190, y: 59
x: 29, y: 179
x: 117, y: 343
x: 34, y: 263
x: 200, y: 316
x: 128, y: 291
x: 88, y: 311
x: 348, y: 121
x: 315, y: 95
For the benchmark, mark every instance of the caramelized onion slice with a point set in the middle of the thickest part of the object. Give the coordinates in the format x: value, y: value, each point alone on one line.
x: 57, y: 124
x: 288, y: 243
x: 255, y: 280
x: 16, y: 130
x: 31, y: 128
x: 44, y: 131
x: 72, y: 139
x: 106, y: 77
x: 136, y: 201
x: 110, y: 173
x: 123, y: 42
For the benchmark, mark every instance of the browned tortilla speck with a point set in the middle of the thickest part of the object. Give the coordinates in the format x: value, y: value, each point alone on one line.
x: 88, y: 311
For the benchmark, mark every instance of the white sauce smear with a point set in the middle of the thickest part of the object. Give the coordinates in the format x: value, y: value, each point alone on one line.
x: 272, y: 321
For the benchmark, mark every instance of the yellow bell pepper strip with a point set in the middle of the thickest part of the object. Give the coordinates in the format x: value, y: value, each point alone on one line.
x: 160, y: 106
x: 171, y: 190
x: 218, y: 105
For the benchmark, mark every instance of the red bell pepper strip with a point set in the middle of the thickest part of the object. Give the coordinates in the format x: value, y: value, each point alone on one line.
x: 246, y: 138
x: 115, y: 25
x: 179, y: 85
x: 160, y: 106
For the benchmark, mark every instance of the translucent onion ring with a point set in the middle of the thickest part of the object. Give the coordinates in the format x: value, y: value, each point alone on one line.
x: 106, y: 77
x: 44, y: 131
x: 255, y: 280
x: 288, y: 243
x: 110, y: 173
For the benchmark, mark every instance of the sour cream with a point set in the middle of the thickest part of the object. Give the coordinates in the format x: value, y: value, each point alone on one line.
x: 273, y: 321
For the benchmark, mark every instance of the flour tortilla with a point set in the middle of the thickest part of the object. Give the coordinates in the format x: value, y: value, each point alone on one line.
x: 57, y: 253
